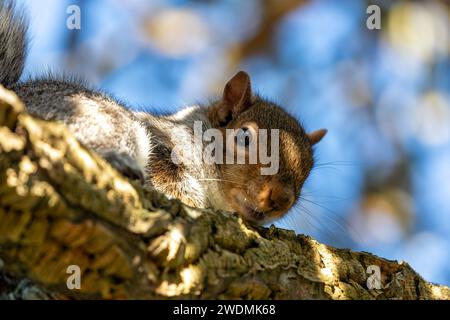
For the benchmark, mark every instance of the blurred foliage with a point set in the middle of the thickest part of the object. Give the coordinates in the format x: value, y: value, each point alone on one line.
x: 382, y: 179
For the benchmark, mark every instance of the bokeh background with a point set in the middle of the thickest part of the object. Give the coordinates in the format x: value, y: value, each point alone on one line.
x: 382, y: 179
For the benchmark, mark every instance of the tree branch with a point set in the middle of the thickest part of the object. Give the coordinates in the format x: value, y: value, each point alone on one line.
x: 61, y: 205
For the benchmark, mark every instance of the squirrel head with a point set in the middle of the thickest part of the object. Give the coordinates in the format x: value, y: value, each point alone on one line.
x: 277, y: 151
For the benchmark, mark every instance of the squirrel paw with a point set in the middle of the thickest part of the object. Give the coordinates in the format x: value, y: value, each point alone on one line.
x: 125, y: 164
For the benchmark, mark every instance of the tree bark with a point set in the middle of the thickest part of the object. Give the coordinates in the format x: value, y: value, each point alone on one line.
x: 62, y: 205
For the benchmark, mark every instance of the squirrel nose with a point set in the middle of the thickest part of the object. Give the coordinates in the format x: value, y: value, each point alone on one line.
x: 278, y: 196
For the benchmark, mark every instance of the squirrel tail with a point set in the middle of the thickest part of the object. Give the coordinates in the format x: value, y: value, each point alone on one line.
x: 13, y: 44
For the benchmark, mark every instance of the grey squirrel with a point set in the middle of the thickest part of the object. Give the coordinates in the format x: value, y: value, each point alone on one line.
x: 140, y: 145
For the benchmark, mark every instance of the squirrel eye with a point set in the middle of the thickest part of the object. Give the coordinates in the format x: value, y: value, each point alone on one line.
x: 243, y: 137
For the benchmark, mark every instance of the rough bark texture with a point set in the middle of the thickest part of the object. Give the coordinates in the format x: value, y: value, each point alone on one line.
x: 62, y: 205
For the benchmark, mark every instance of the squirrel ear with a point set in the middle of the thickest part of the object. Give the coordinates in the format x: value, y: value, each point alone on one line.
x: 316, y: 136
x: 237, y: 94
x: 237, y: 97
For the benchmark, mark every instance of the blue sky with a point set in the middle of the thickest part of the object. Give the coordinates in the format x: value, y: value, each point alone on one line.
x: 383, y: 96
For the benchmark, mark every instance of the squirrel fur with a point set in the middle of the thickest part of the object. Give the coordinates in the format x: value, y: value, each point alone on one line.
x: 140, y: 144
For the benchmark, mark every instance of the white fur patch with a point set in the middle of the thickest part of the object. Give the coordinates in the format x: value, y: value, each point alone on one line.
x: 143, y: 147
